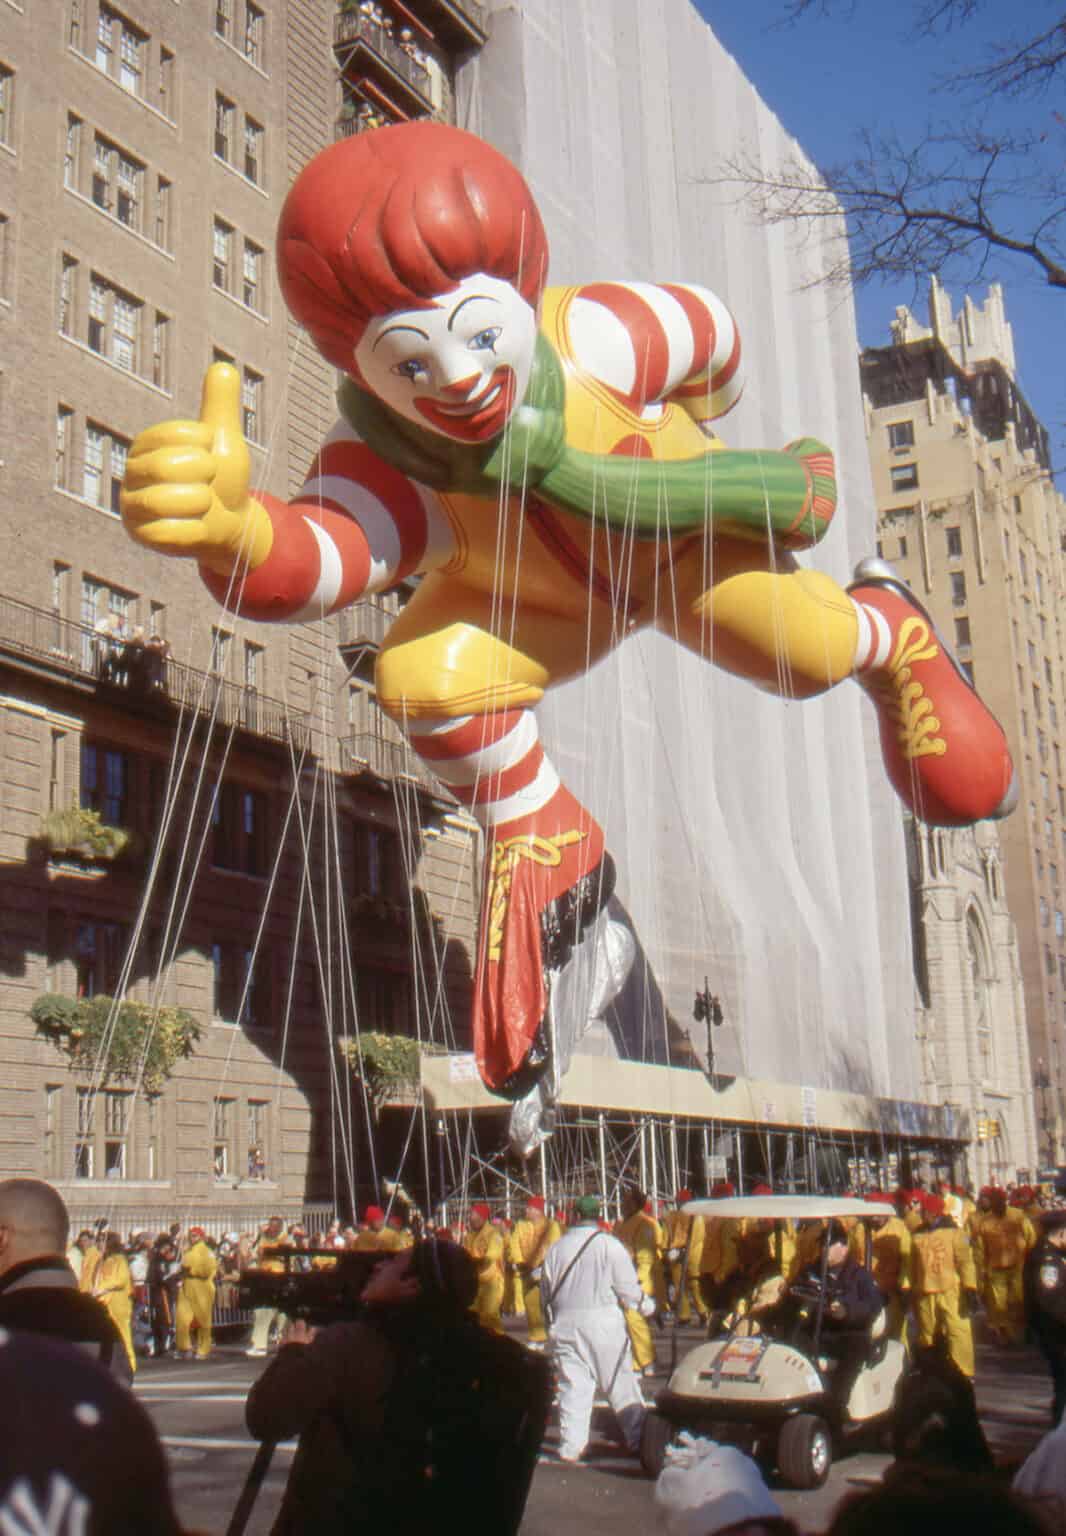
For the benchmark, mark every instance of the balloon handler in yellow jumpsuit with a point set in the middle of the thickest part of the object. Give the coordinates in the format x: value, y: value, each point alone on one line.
x: 113, y: 1286
x: 533, y: 1235
x: 196, y: 1299
x: 547, y: 459
x: 944, y: 1286
x: 484, y: 1243
x: 638, y: 1232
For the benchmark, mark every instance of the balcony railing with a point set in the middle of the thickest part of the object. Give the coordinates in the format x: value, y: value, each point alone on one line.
x: 79, y: 652
x: 350, y: 28
x: 387, y: 754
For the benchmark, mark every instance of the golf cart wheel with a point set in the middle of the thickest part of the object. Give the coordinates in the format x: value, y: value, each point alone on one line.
x: 804, y: 1451
x: 654, y: 1438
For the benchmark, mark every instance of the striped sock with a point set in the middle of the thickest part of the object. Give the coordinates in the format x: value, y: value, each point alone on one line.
x: 873, y: 644
x: 493, y: 764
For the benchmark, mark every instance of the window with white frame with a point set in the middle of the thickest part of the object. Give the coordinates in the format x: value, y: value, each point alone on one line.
x: 254, y: 35
x: 7, y: 106
x: 117, y: 1125
x: 253, y: 151
x: 252, y: 275
x: 166, y: 82
x: 118, y: 184
x: 68, y: 280
x: 224, y: 19
x: 252, y: 405
x: 224, y: 1123
x: 222, y: 255
x: 104, y: 464
x: 5, y: 258
x: 84, y: 1163
x: 114, y: 324
x: 161, y: 351
x: 121, y: 50
x: 72, y: 153
x: 162, y: 213
x: 225, y: 116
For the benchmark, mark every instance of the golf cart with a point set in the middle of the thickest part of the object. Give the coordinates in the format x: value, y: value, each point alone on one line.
x: 772, y: 1391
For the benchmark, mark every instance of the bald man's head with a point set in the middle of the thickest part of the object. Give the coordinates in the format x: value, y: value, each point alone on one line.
x: 33, y: 1221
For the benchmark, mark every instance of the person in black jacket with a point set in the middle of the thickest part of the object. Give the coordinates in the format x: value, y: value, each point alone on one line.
x: 849, y: 1300
x: 1044, y: 1288
x: 38, y: 1289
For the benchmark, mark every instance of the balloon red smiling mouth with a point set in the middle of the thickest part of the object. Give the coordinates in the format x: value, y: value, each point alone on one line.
x: 476, y: 420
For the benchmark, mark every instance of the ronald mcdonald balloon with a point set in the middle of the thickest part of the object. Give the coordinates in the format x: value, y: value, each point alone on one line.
x: 518, y: 446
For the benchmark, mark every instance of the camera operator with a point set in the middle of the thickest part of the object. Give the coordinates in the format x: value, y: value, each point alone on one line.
x: 404, y: 1412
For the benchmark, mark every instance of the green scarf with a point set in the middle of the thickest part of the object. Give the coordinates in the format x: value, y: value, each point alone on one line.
x: 757, y: 495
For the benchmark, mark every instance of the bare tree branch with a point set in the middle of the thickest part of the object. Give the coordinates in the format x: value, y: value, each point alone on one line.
x: 946, y: 206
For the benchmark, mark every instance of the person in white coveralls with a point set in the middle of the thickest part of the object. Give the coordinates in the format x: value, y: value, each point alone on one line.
x: 587, y: 1280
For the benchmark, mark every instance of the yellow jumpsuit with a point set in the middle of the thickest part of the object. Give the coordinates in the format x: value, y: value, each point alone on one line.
x: 941, y: 1267
x: 530, y: 1241
x: 89, y: 1264
x: 386, y: 1240
x: 486, y: 1247
x: 685, y: 1235
x: 639, y: 1234
x: 891, y: 1268
x: 196, y: 1300
x: 718, y: 1257
x: 1002, y: 1245
x: 112, y: 1285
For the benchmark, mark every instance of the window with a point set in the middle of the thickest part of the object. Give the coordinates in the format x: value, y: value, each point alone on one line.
x: 954, y: 542
x: 253, y: 151
x: 901, y: 434
x: 83, y: 1147
x: 902, y: 546
x: 962, y: 634
x: 103, y: 467
x: 161, y: 351
x: 251, y: 282
x: 52, y: 1119
x: 224, y: 19
x: 68, y: 278
x: 1060, y: 924
x: 72, y: 153
x: 383, y: 1001
x: 225, y: 1112
x: 99, y: 952
x: 116, y: 1132
x: 253, y: 666
x: 235, y: 978
x: 1023, y: 568
x: 258, y: 1115
x: 904, y: 477
x: 221, y: 640
x: 222, y: 248
x: 252, y: 405
x: 118, y: 184
x: 378, y: 863
x: 166, y: 82
x: 224, y: 118
x: 162, y: 213
x: 254, y: 29
x: 238, y: 821
x: 1039, y: 585
x: 121, y: 49
x: 114, y: 324
x: 105, y: 778
x: 7, y: 106
x: 958, y: 589
x: 1037, y: 696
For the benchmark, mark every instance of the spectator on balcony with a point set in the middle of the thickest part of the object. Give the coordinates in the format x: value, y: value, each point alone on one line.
x: 108, y: 633
x: 156, y: 656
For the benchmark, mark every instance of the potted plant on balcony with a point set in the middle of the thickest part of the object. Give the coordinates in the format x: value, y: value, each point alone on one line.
x: 387, y: 1064
x: 81, y: 834
x: 128, y: 1040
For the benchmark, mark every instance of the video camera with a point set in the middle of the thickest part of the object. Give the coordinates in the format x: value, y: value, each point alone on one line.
x: 330, y: 1294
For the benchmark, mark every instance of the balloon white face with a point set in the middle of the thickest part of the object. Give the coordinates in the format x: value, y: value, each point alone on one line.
x: 459, y: 367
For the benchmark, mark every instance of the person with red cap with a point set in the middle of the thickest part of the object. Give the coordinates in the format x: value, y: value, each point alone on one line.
x: 196, y: 1298
x: 534, y: 1233
x: 944, y: 1285
x: 377, y: 1236
x: 271, y: 1234
x: 890, y: 1263
x: 1004, y: 1237
x: 484, y: 1243
x: 718, y: 1257
x: 684, y: 1251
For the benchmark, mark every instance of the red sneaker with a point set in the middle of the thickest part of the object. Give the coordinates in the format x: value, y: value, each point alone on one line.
x: 945, y: 753
x: 546, y: 879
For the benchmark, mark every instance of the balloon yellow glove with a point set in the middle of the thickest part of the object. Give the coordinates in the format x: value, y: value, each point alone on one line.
x: 186, y: 489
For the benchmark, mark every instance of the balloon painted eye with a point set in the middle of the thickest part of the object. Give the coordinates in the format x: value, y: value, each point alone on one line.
x: 485, y: 341
x: 410, y: 369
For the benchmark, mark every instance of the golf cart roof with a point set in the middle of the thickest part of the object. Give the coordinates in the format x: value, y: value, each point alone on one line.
x: 787, y: 1207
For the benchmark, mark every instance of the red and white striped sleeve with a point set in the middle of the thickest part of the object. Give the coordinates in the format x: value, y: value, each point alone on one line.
x: 357, y: 526
x: 651, y: 342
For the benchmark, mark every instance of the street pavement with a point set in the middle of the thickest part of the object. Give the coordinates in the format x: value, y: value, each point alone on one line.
x: 198, y: 1410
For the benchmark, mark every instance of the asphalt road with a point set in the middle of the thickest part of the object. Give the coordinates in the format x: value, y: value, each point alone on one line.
x: 198, y: 1410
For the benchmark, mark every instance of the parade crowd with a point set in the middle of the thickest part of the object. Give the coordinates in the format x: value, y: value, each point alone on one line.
x: 392, y: 1390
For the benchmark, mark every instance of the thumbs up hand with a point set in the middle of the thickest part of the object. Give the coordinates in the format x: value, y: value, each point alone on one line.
x: 186, y: 489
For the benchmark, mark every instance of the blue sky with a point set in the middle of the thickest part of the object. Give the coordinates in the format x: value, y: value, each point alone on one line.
x: 865, y: 66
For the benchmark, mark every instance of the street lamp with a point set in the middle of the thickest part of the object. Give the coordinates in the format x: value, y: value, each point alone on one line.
x: 708, y: 1008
